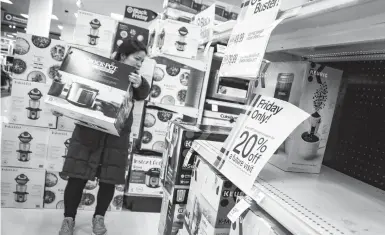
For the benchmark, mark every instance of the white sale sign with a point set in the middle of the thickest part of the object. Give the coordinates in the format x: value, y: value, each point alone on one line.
x: 254, y: 139
x: 205, y: 20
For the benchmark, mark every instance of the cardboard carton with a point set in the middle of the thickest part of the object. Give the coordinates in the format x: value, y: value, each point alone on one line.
x: 126, y: 31
x: 137, y: 115
x: 23, y: 146
x: 92, y: 91
x: 28, y: 106
x: 55, y: 185
x: 219, y: 113
x: 171, y: 216
x: 58, y: 144
x: 66, y: 124
x: 22, y: 188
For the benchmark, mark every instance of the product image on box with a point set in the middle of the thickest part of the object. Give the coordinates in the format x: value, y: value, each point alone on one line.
x: 94, y: 32
x: 33, y: 111
x: 55, y: 185
x: 21, y: 193
x: 93, y: 91
x: 24, y: 147
x: 58, y: 144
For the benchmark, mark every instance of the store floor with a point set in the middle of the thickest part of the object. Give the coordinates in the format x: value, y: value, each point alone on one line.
x: 47, y: 222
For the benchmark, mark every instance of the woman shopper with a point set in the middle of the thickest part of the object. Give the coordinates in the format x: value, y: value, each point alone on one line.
x: 94, y: 154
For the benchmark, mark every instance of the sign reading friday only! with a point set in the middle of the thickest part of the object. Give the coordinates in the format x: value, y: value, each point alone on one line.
x: 141, y: 14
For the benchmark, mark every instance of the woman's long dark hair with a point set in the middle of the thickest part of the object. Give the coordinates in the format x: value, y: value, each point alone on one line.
x: 128, y: 47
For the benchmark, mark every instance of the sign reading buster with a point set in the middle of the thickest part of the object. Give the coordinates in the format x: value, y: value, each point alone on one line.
x: 141, y: 14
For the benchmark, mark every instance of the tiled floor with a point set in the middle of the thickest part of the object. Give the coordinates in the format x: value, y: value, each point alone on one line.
x: 47, y: 222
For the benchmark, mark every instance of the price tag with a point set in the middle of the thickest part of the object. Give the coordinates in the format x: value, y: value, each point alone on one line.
x: 238, y: 210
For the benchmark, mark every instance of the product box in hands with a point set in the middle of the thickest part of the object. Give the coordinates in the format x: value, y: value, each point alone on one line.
x: 55, y: 184
x: 22, y: 188
x: 171, y: 216
x: 174, y: 38
x: 144, y: 176
x: 66, y: 124
x: 94, y: 30
x: 58, y: 144
x: 314, y: 89
x: 92, y: 90
x: 23, y: 146
x: 28, y: 106
x: 155, y: 128
x: 37, y: 59
x: 128, y: 31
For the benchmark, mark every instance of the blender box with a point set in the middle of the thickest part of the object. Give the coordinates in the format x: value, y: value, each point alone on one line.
x: 211, y: 198
x: 27, y: 105
x: 155, y: 128
x: 23, y: 146
x: 58, y: 144
x: 55, y: 184
x: 22, y: 188
x: 126, y: 31
x: 174, y: 38
x: 65, y: 124
x: 37, y: 59
x: 92, y: 91
x: 313, y: 88
x: 94, y: 30
x: 144, y: 176
x: 171, y: 216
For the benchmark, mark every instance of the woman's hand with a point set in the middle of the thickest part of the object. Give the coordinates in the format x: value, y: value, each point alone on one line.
x: 136, y: 80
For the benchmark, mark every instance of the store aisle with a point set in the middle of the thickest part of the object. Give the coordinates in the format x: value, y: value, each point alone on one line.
x: 47, y: 222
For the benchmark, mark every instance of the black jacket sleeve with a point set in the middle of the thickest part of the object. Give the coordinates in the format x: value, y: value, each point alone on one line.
x: 141, y: 92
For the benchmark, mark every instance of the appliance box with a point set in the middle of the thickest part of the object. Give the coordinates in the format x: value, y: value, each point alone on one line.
x: 97, y: 51
x: 314, y: 89
x: 190, y: 6
x: 218, y: 113
x: 137, y: 115
x: 28, y: 106
x: 94, y: 30
x: 217, y: 122
x: 126, y: 31
x: 147, y: 70
x: 175, y: 14
x: 22, y: 188
x: 66, y: 124
x: 92, y: 91
x: 174, y: 38
x: 144, y: 176
x: 155, y: 128
x: 37, y: 59
x: 178, y: 193
x: 55, y: 185
x: 171, y: 216
x: 23, y: 146
x: 58, y: 144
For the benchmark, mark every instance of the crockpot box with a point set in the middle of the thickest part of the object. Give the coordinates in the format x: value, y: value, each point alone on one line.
x: 37, y: 59
x: 171, y: 216
x: 58, y: 144
x: 94, y: 30
x: 55, y: 185
x: 174, y: 38
x: 23, y: 146
x: 313, y: 88
x: 144, y: 176
x: 155, y: 128
x: 28, y: 106
x: 66, y: 124
x: 22, y: 188
x: 92, y: 91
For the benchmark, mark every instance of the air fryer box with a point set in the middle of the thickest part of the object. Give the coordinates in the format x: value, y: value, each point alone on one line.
x: 55, y: 185
x: 171, y: 216
x: 92, y: 90
x: 58, y: 144
x: 28, y: 106
x: 155, y: 128
x: 23, y: 146
x: 22, y: 188
x: 94, y: 30
x: 37, y: 59
x: 144, y: 176
x: 174, y: 38
x: 313, y: 88
x: 211, y: 198
x: 66, y: 124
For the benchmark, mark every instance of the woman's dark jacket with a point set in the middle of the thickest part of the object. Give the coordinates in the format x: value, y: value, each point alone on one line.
x: 93, y: 153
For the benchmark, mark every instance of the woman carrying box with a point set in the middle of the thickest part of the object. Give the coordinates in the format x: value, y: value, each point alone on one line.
x: 95, y: 154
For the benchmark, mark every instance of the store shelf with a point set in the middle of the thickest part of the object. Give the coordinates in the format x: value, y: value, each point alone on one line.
x: 188, y: 111
x: 328, y: 203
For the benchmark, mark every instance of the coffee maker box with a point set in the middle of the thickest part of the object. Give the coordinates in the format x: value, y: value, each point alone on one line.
x: 66, y: 124
x: 144, y: 176
x: 23, y: 146
x: 22, y: 188
x: 37, y: 59
x: 173, y: 38
x: 155, y: 128
x: 28, y: 107
x: 92, y: 90
x: 94, y: 30
x: 171, y: 216
x: 313, y: 88
x: 55, y: 184
x: 58, y: 144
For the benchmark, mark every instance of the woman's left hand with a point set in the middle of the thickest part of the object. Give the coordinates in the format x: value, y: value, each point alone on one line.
x: 136, y: 80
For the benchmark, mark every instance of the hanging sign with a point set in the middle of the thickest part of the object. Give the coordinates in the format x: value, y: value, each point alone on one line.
x: 265, y: 10
x: 141, y: 14
x: 14, y: 19
x: 257, y: 135
x: 205, y: 20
